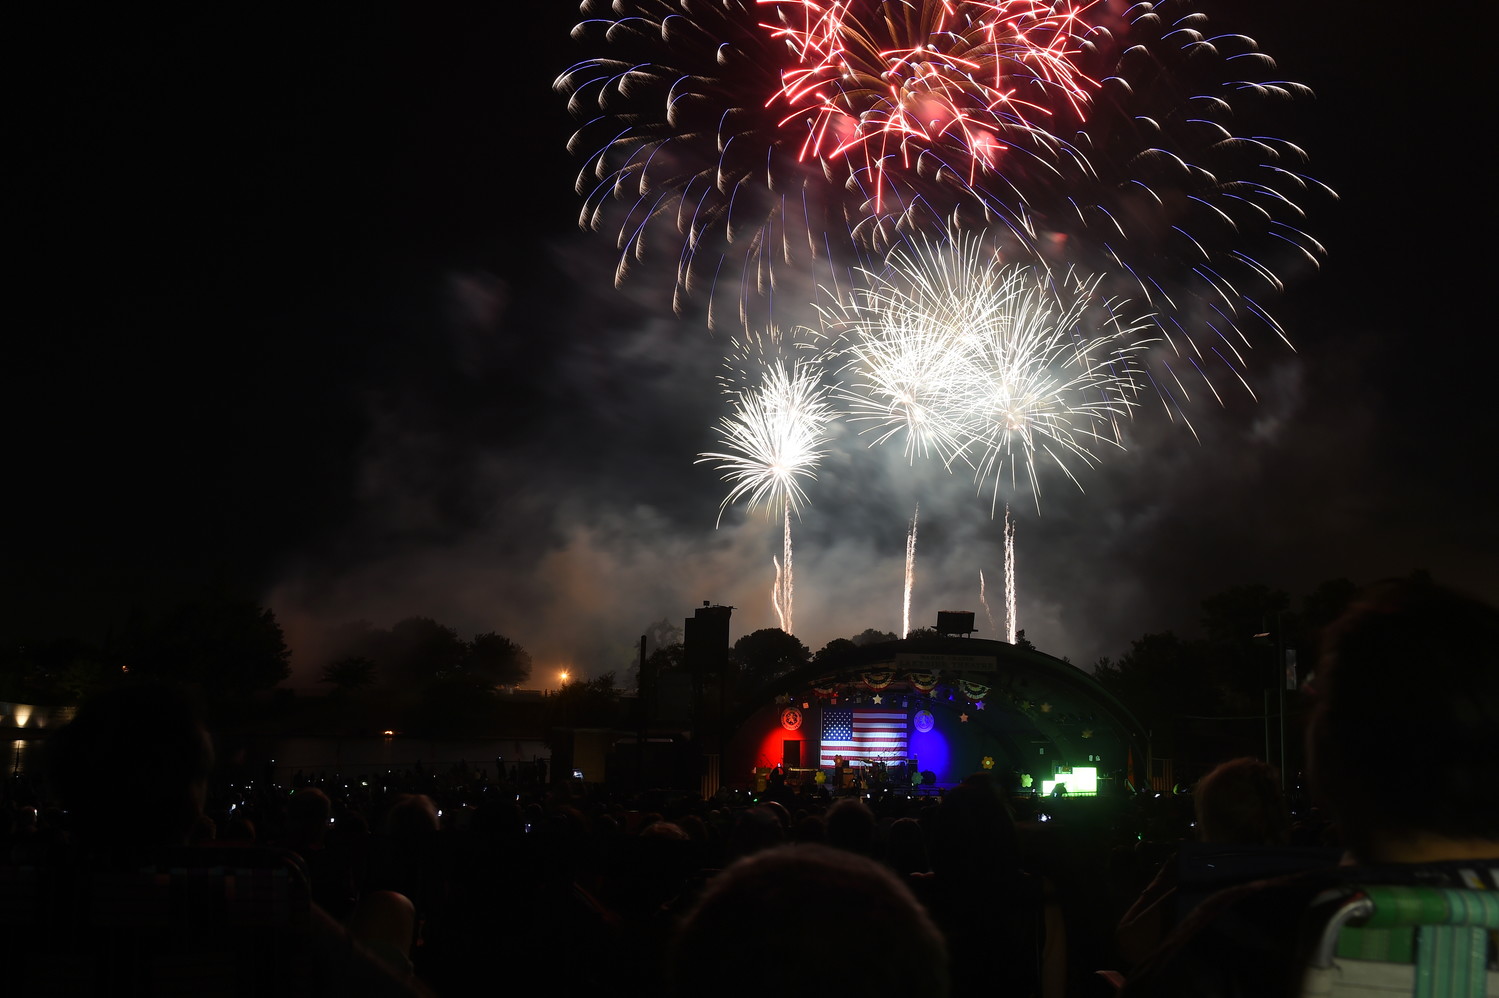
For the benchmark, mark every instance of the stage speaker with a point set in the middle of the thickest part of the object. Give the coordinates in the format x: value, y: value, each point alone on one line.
x: 954, y: 621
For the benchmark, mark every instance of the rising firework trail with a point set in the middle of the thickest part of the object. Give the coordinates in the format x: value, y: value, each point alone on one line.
x: 781, y: 592
x: 1010, y: 631
x: 773, y: 439
x: 905, y: 615
x: 984, y: 363
x: 984, y: 602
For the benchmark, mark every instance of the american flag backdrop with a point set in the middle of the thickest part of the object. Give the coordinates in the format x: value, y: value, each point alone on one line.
x: 858, y: 733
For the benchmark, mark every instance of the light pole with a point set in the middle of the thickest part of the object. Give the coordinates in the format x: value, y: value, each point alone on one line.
x: 1278, y: 676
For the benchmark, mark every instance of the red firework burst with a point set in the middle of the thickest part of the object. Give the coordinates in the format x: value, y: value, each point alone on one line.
x: 884, y: 83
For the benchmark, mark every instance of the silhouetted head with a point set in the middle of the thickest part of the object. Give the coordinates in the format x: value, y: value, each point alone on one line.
x: 1402, y: 742
x: 1240, y: 803
x: 412, y: 816
x: 972, y: 830
x: 808, y: 911
x: 810, y: 828
x: 307, y: 815
x: 755, y: 829
x: 850, y: 825
x: 905, y: 848
x: 132, y: 768
x: 386, y: 922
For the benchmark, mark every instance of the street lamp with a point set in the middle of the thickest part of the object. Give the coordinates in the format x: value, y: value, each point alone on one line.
x: 1279, y: 672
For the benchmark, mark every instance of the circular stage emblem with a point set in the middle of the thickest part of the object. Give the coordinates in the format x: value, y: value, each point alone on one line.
x: 791, y: 719
x: 924, y: 721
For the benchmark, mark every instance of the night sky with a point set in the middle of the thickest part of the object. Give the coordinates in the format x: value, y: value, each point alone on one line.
x: 304, y: 312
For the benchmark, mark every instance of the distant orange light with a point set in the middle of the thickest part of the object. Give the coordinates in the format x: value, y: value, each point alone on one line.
x: 389, y: 733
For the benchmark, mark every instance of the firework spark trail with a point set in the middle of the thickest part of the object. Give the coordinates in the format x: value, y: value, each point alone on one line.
x: 984, y: 602
x: 984, y: 363
x: 905, y: 617
x: 1009, y: 576
x: 776, y: 598
x: 773, y: 438
x: 785, y: 578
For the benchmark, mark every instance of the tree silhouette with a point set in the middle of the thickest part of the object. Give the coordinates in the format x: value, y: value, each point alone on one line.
x: 661, y: 634
x: 1235, y: 615
x: 227, y: 647
x: 591, y: 703
x: 766, y: 654
x: 63, y: 670
x: 835, y: 651
x: 667, y: 658
x: 349, y: 674
x: 418, y: 650
x: 497, y: 660
x: 1163, y: 677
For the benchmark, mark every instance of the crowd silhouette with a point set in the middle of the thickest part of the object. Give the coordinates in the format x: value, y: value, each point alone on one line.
x: 129, y: 868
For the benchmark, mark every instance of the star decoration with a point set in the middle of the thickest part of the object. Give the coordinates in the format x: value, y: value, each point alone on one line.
x: 963, y: 718
x: 878, y: 698
x: 1046, y: 708
x: 979, y: 704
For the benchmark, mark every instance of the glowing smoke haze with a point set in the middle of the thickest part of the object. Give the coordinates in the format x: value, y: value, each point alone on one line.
x: 576, y: 552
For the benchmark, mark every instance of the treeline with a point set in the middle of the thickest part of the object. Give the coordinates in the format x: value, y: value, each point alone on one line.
x: 419, y: 651
x: 223, y: 646
x: 226, y: 649
x: 425, y: 674
x: 763, y: 655
x: 416, y: 677
x: 1255, y: 647
x: 769, y: 653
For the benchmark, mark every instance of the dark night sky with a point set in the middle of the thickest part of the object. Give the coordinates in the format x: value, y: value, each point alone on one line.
x: 305, y: 312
